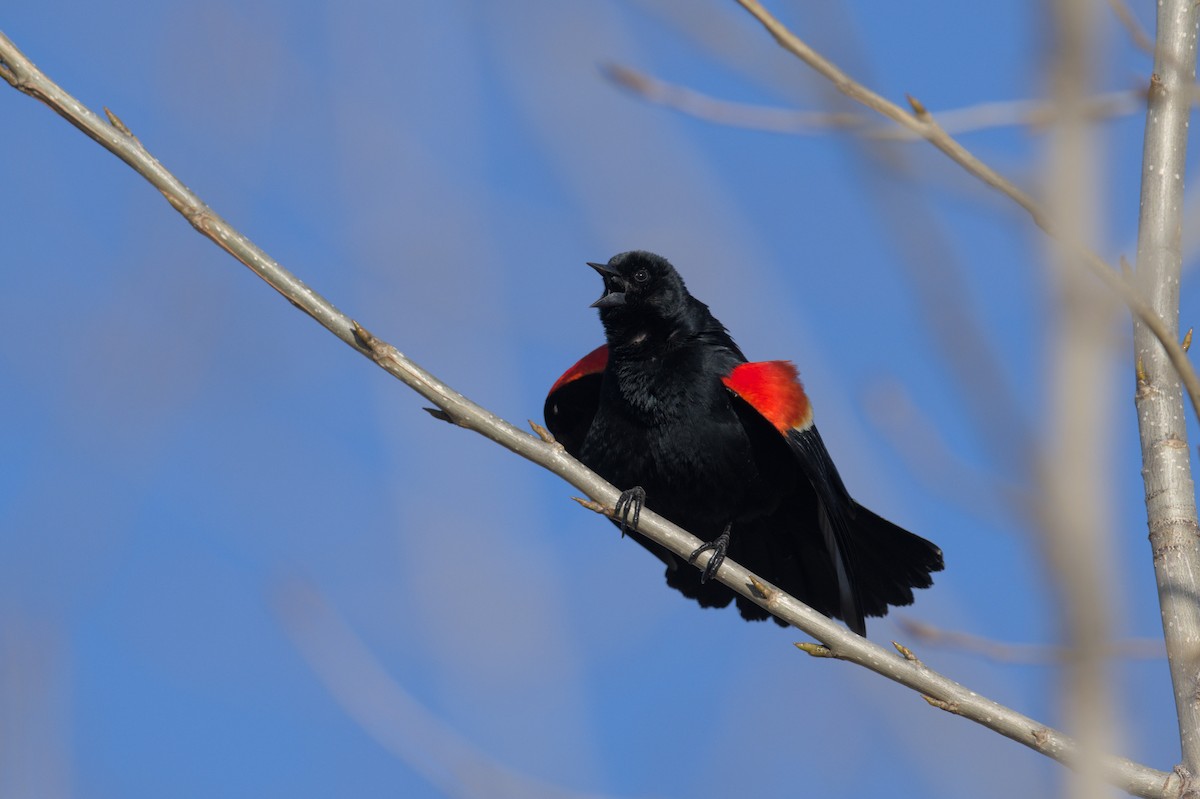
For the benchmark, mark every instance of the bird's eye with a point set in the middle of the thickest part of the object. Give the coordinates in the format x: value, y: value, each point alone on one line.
x: 641, y: 275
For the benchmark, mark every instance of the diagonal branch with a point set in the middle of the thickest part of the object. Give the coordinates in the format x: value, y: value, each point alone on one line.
x: 922, y: 123
x: 837, y: 641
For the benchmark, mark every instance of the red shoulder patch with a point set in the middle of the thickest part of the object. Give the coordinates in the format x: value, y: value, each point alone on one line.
x: 590, y: 364
x: 773, y: 389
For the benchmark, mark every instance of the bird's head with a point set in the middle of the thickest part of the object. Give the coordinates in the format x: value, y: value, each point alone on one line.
x: 643, y: 294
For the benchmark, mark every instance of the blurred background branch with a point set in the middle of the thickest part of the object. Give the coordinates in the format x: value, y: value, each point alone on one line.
x: 1075, y: 465
x: 929, y: 635
x: 1137, y: 34
x: 393, y: 717
x: 1034, y: 114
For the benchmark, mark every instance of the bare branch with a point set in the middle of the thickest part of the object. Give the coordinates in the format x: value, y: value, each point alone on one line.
x: 1170, y: 492
x: 922, y: 123
x: 1132, y: 777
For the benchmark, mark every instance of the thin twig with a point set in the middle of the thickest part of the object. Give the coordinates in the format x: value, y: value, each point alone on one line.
x: 922, y: 123
x: 1132, y: 777
x: 969, y: 119
x: 1021, y: 654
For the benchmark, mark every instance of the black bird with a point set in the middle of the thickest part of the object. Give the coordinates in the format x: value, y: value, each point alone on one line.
x: 670, y: 410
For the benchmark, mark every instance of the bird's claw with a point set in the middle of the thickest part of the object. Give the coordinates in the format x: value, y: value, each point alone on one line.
x: 718, y: 546
x: 628, y: 509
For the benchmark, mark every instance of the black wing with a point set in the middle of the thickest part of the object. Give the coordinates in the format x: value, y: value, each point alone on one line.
x: 819, y: 544
x: 572, y: 402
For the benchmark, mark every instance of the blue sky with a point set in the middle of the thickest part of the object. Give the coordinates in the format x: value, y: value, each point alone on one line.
x: 238, y: 560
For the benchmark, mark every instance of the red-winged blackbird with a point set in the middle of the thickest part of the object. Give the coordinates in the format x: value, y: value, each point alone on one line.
x: 670, y: 410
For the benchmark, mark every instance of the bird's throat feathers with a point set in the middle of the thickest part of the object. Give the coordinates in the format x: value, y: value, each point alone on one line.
x: 640, y: 333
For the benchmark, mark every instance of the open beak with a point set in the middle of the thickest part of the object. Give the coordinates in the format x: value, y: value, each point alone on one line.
x: 614, y: 286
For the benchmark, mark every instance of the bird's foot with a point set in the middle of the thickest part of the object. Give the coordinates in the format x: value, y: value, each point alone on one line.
x: 628, y: 509
x: 718, y: 546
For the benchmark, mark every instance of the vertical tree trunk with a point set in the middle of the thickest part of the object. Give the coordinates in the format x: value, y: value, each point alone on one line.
x: 1166, y: 459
